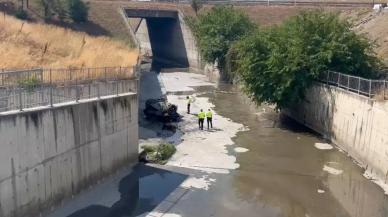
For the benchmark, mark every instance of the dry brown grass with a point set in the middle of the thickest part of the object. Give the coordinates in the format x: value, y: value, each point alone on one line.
x: 26, y: 45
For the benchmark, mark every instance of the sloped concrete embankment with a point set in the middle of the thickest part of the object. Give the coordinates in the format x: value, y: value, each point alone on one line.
x: 355, y: 123
x: 48, y: 155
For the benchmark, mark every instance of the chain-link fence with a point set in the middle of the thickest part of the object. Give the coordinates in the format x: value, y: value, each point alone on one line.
x: 46, y: 87
x: 377, y: 89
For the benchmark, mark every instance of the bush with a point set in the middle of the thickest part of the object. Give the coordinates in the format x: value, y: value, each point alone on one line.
x: 78, y: 11
x: 21, y: 14
x: 277, y: 65
x: 166, y: 151
x: 29, y: 83
x: 196, y: 5
x: 158, y: 153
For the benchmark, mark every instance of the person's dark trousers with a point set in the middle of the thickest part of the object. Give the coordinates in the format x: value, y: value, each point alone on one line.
x: 209, y: 122
x: 188, y: 108
x: 200, y: 123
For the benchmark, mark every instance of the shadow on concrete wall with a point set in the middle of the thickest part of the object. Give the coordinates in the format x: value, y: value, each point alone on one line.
x: 167, y: 43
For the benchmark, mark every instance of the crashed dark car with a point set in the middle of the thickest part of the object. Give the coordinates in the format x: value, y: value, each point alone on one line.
x: 161, y: 110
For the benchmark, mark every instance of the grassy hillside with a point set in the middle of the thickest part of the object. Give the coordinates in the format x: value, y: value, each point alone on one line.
x: 374, y: 25
x: 25, y: 45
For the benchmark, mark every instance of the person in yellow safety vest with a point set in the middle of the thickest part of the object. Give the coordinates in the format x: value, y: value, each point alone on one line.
x: 189, y: 101
x: 201, y: 119
x: 209, y: 119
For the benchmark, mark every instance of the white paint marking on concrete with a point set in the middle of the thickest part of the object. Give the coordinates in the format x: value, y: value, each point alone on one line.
x: 332, y: 170
x: 240, y: 149
x: 323, y: 146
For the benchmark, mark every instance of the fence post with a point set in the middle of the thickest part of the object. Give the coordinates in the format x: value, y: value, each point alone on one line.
x: 359, y: 85
x: 338, y: 79
x: 384, y: 90
x: 327, y: 77
x: 98, y: 90
x: 370, y: 88
x: 20, y: 99
x: 51, y: 90
x: 348, y: 82
x: 117, y: 87
x: 106, y: 78
x: 89, y: 81
x: 76, y: 90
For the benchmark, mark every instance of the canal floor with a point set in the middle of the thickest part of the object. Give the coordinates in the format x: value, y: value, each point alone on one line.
x: 285, y: 170
x: 253, y: 163
x: 284, y: 174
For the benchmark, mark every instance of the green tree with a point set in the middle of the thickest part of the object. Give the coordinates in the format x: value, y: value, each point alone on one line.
x: 218, y: 29
x: 59, y: 8
x: 45, y: 5
x: 278, y: 64
x: 53, y: 8
x: 78, y: 10
x: 196, y: 5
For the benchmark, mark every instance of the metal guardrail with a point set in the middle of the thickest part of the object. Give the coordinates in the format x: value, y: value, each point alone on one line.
x: 377, y: 89
x: 46, y: 87
x: 318, y: 3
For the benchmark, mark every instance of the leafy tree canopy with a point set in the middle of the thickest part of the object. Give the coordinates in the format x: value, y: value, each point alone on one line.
x: 218, y: 29
x: 278, y: 64
x: 78, y: 10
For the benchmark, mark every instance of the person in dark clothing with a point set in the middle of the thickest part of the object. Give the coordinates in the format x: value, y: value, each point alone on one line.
x: 201, y: 119
x: 189, y: 101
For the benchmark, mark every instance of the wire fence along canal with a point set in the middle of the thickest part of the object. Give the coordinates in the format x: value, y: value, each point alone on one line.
x: 21, y: 89
x: 377, y: 89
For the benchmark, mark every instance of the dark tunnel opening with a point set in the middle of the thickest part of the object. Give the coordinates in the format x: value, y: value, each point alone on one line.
x: 166, y: 38
x: 167, y: 43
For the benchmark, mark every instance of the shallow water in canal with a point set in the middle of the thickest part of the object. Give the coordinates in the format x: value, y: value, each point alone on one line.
x: 283, y: 174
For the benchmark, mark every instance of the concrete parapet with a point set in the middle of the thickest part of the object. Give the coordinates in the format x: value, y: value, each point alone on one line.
x: 52, y: 153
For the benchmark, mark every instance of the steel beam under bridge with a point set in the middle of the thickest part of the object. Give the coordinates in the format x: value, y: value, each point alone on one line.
x: 149, y: 13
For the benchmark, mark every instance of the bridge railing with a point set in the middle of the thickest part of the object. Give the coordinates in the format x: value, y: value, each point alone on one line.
x: 377, y: 89
x: 22, y: 89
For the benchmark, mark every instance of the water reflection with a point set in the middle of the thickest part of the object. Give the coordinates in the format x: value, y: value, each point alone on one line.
x: 283, y: 168
x: 140, y: 191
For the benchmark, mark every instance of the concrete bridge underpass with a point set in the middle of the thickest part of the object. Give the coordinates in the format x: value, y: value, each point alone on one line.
x: 163, y: 35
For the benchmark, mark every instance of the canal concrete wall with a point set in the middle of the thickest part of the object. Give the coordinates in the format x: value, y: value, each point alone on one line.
x: 50, y: 154
x: 355, y: 123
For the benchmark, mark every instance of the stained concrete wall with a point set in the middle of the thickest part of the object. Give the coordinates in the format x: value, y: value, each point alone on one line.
x: 355, y: 123
x: 143, y: 36
x: 50, y: 154
x: 192, y: 51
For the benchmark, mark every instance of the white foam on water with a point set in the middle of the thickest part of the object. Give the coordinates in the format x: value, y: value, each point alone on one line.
x: 240, y: 149
x: 320, y: 191
x: 199, y: 183
x: 332, y: 170
x: 323, y: 146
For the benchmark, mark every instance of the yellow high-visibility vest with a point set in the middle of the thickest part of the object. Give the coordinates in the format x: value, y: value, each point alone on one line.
x: 189, y: 100
x: 201, y: 115
x: 209, y: 114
